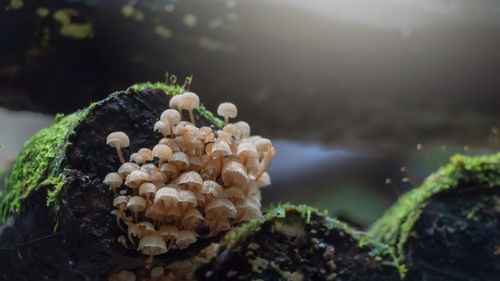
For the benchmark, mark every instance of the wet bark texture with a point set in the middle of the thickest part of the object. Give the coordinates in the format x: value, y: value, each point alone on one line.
x: 457, y: 238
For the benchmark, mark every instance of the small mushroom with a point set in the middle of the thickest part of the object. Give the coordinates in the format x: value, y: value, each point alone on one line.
x: 234, y: 173
x: 118, y: 140
x: 167, y: 197
x: 163, y: 152
x: 136, y: 204
x: 227, y: 110
x: 162, y: 127
x: 181, y: 160
x: 172, y: 117
x: 147, y: 189
x: 136, y: 178
x: 127, y: 168
x: 175, y: 102
x: 113, y: 180
x: 242, y: 130
x: 170, y: 170
x: 190, y: 181
x: 247, y: 151
x: 264, y: 180
x: 136, y: 158
x: 152, y: 245
x: 187, y: 199
x: 189, y: 101
x: 192, y: 218
x: 146, y: 153
x: 186, y: 238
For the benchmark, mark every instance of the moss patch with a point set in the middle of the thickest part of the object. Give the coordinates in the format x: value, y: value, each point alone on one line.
x: 36, y: 165
x: 395, y: 227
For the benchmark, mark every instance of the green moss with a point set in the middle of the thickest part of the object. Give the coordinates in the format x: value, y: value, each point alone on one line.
x: 395, y: 227
x: 37, y: 163
x: 173, y: 90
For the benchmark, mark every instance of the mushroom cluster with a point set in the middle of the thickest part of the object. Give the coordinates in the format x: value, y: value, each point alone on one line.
x: 194, y: 182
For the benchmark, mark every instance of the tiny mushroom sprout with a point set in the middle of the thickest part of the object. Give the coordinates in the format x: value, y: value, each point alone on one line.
x: 227, y: 110
x: 190, y: 101
x: 172, y: 117
x: 113, y: 180
x: 118, y: 140
x: 194, y: 181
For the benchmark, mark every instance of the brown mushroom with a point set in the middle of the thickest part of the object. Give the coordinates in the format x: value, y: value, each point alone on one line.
x: 118, y: 140
x: 113, y: 180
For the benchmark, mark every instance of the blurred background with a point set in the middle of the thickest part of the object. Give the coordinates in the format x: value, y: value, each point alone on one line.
x: 346, y: 89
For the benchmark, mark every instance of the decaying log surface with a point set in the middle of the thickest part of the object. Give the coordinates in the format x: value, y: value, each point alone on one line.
x: 448, y: 229
x: 61, y: 228
x: 297, y: 243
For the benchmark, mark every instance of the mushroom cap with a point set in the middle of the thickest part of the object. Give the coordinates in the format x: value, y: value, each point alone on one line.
x: 262, y: 144
x: 189, y: 100
x: 249, y: 212
x: 186, y: 238
x: 118, y: 139
x: 172, y: 116
x: 113, y: 180
x: 192, y: 218
x: 234, y: 192
x: 119, y: 200
x: 147, y: 188
x: 225, y: 136
x: 197, y: 161
x: 227, y: 109
x: 220, y: 207
x: 242, y: 131
x: 136, y: 204
x: 136, y: 178
x: 127, y: 168
x: 171, y: 143
x: 146, y: 227
x: 212, y: 188
x: 187, y: 197
x: 204, y: 132
x: 230, y: 129
x: 155, y: 212
x: 219, y: 149
x: 162, y: 151
x: 163, y: 127
x: 149, y: 168
x: 152, y: 244
x: 190, y: 180
x: 169, y: 169
x: 146, y: 153
x: 234, y: 173
x: 175, y: 101
x: 169, y: 231
x: 167, y: 196
x: 137, y: 158
x: 181, y: 160
x: 247, y: 150
x: 264, y: 180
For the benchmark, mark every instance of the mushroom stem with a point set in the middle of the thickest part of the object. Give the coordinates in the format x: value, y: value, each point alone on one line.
x: 226, y: 120
x: 191, y: 116
x: 135, y: 217
x: 120, y: 155
x: 149, y: 261
x: 171, y: 131
x: 114, y: 191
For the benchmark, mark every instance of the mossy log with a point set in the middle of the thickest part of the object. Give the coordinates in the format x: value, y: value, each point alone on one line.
x: 448, y: 229
x: 55, y: 210
x: 298, y: 243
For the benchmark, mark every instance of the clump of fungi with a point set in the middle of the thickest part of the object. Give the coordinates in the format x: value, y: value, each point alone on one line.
x: 194, y: 182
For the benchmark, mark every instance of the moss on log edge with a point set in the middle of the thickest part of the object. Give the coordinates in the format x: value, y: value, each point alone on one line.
x: 395, y: 227
x: 37, y: 165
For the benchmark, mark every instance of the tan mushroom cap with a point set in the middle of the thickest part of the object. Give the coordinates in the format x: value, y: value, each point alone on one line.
x: 146, y: 188
x: 146, y: 153
x: 190, y: 181
x: 137, y: 158
x: 247, y: 151
x: 121, y: 200
x: 163, y: 127
x: 220, y: 207
x: 171, y: 143
x: 167, y: 196
x: 227, y: 110
x: 188, y: 198
x: 234, y: 173
x: 113, y: 180
x: 181, y: 160
x: 262, y: 144
x: 186, y: 238
x: 127, y: 168
x: 164, y: 152
x: 242, y: 130
x: 212, y: 188
x: 189, y: 100
x: 169, y: 231
x: 146, y: 227
x: 118, y: 139
x: 136, y: 204
x: 170, y: 170
x: 136, y: 178
x: 175, y: 101
x: 192, y: 219
x: 172, y: 116
x: 264, y: 180
x: 219, y: 149
x: 153, y: 245
x: 234, y: 192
